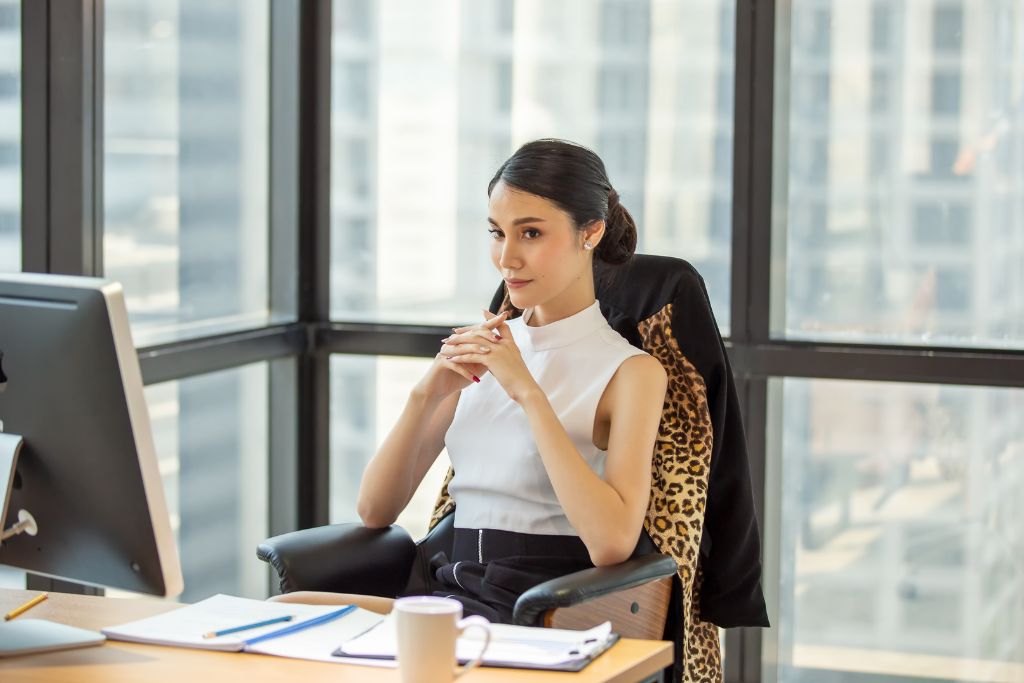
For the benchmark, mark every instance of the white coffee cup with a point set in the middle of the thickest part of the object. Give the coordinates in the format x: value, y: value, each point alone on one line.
x: 427, y: 630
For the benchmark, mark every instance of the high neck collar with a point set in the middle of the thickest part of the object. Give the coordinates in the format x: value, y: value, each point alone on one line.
x: 561, y: 332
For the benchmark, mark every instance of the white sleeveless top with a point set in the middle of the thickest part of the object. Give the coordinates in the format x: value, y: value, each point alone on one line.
x: 500, y: 481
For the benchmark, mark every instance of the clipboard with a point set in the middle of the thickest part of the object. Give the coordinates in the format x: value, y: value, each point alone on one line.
x: 379, y: 644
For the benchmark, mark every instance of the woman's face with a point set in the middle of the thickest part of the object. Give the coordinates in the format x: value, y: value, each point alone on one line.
x: 534, y: 245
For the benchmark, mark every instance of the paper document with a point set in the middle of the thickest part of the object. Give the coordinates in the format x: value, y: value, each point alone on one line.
x: 510, y: 645
x: 185, y: 627
x: 318, y: 643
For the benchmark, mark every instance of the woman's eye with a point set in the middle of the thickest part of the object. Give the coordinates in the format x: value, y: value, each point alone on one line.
x: 535, y: 233
x: 495, y: 234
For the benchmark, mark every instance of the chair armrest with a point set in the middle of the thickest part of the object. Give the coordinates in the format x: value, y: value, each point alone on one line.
x: 341, y: 558
x: 588, y: 584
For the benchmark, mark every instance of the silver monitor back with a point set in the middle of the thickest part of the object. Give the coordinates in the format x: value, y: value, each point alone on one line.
x: 87, y: 471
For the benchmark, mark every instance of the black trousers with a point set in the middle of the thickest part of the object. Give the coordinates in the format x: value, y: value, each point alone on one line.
x: 489, y: 569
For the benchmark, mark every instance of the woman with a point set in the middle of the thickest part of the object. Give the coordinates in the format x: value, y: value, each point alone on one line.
x: 549, y: 415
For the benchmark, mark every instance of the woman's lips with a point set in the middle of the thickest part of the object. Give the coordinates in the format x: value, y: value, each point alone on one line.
x: 516, y: 284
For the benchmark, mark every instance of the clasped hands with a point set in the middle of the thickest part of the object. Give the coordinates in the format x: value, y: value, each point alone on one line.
x: 489, y: 346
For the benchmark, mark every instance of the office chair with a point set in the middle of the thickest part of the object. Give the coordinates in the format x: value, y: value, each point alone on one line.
x: 697, y: 564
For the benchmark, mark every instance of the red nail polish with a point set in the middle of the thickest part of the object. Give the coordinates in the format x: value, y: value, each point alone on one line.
x: 475, y: 378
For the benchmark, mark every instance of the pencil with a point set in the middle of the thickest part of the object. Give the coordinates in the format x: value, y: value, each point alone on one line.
x: 27, y: 606
x: 246, y: 627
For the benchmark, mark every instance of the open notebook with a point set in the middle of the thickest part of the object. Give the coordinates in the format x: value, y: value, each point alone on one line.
x: 520, y: 647
x: 310, y: 624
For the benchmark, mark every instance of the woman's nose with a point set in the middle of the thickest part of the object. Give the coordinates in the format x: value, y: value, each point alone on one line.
x: 509, y: 254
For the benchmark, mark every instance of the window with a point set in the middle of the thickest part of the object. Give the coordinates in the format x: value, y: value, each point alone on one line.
x: 623, y: 23
x: 810, y: 161
x: 880, y: 155
x: 945, y: 93
x: 417, y: 175
x: 211, y: 441
x: 944, y: 153
x: 953, y: 290
x: 881, y: 25
x: 907, y: 173
x: 938, y: 223
x: 503, y: 87
x: 186, y: 138
x: 352, y: 18
x: 818, y: 30
x: 10, y: 15
x: 9, y: 85
x: 351, y: 83
x: 10, y: 135
x: 368, y: 394
x: 505, y: 16
x: 892, y: 563
x: 948, y: 26
x: 880, y: 91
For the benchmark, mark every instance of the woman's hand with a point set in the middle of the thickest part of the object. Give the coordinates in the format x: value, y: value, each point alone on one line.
x: 490, y: 344
x: 446, y: 377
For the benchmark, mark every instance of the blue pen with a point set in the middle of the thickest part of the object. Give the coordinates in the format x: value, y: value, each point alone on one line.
x: 316, y: 621
x: 246, y: 627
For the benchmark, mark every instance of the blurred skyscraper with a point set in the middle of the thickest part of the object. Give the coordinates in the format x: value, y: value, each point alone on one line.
x: 10, y: 135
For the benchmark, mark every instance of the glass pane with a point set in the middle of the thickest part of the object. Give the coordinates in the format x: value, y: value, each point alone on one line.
x: 10, y: 135
x: 186, y: 139
x: 211, y: 441
x: 368, y: 394
x: 900, y: 174
x: 648, y: 84
x: 901, y: 532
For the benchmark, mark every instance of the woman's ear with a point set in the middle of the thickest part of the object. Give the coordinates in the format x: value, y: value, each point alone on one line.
x: 594, y: 232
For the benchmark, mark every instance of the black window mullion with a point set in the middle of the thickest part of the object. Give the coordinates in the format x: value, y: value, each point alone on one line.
x: 62, y: 137
x: 35, y: 107
x: 751, y: 269
x: 314, y: 98
x: 739, y: 323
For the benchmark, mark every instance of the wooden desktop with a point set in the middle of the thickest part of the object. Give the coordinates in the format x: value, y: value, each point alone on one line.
x: 628, y: 661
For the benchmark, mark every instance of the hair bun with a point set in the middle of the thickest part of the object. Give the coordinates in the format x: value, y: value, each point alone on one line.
x: 620, y: 239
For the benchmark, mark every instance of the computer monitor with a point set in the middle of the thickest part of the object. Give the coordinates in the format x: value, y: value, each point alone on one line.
x: 86, y: 477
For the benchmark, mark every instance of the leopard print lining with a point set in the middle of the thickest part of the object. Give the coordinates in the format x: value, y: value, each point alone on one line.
x: 675, y: 514
x: 444, y: 503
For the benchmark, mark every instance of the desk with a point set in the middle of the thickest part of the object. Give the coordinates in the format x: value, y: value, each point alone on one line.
x: 627, y: 661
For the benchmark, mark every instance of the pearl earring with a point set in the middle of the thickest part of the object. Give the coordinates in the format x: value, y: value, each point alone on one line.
x: 588, y: 245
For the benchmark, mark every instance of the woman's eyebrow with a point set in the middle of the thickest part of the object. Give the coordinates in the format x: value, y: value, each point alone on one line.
x: 518, y: 221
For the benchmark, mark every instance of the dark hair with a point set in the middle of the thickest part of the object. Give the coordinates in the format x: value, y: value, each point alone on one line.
x: 572, y: 177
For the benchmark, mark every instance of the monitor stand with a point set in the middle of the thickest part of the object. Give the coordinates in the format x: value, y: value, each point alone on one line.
x: 24, y: 635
